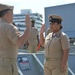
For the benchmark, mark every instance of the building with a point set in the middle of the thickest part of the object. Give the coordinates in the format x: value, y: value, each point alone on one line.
x: 67, y: 12
x: 19, y: 19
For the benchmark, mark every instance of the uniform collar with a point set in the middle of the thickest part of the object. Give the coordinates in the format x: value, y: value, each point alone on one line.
x: 3, y: 20
x: 57, y: 33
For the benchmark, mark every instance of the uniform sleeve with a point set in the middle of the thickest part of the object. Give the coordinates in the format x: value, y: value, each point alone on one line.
x: 65, y: 42
x: 13, y: 34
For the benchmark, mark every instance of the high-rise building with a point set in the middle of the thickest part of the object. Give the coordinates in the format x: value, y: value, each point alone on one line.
x: 19, y: 19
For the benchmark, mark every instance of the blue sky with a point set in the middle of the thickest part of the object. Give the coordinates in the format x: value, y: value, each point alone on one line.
x: 35, y: 5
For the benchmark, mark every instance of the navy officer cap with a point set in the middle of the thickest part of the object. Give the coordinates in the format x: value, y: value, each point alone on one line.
x: 5, y: 7
x: 55, y: 18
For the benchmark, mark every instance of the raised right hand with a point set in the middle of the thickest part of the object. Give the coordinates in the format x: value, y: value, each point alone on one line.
x: 28, y: 21
x: 42, y: 30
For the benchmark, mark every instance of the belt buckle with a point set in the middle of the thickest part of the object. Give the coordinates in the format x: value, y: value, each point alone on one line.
x: 47, y: 59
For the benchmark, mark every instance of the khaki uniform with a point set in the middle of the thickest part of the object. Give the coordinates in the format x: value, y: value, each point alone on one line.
x: 8, y: 49
x: 54, y: 46
x: 33, y: 40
